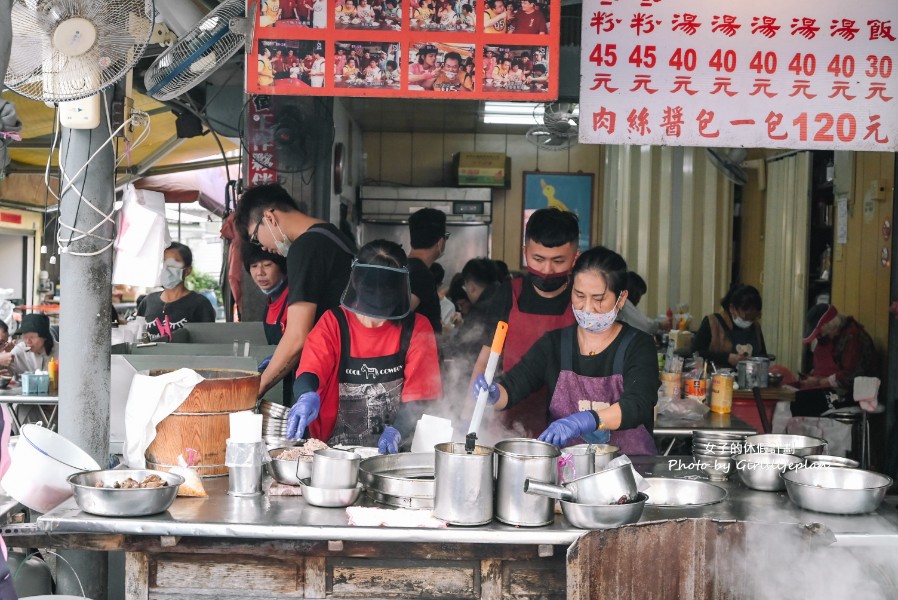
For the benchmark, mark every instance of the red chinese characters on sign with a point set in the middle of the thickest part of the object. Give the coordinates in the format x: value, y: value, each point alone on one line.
x: 643, y: 23
x: 805, y: 27
x: 686, y: 23
x: 880, y: 30
x: 638, y: 122
x: 604, y: 119
x: 765, y: 26
x: 844, y: 28
x: 672, y: 121
x: 725, y: 24
x: 603, y: 22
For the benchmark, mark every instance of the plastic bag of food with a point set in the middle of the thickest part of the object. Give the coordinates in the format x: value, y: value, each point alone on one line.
x: 686, y: 409
x: 193, y: 485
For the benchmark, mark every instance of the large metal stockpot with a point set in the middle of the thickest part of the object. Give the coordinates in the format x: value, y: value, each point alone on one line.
x: 516, y: 461
x: 464, y: 484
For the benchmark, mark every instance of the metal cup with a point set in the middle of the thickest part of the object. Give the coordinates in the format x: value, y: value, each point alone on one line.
x: 463, y: 484
x: 245, y: 481
x: 335, y: 469
x: 577, y: 461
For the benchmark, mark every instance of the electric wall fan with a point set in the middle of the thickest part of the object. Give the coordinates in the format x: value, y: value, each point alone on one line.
x: 559, y: 128
x: 733, y: 165
x: 65, y: 50
x: 196, y: 54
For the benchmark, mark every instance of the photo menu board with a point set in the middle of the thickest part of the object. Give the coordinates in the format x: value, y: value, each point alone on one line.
x: 447, y: 49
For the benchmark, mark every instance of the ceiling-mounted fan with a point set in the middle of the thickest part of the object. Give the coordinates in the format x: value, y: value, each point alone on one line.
x: 559, y: 127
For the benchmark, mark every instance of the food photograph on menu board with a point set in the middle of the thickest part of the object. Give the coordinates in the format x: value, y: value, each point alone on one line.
x: 293, y: 13
x: 454, y: 49
x: 286, y: 65
x: 523, y: 69
x: 528, y: 17
x: 443, y: 15
x: 441, y: 67
x: 367, y: 65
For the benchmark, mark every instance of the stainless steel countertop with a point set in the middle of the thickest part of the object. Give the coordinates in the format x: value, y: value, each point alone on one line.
x: 667, y: 426
x: 290, y: 517
x: 14, y: 395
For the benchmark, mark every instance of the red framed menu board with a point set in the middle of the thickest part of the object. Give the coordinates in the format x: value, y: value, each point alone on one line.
x: 447, y: 49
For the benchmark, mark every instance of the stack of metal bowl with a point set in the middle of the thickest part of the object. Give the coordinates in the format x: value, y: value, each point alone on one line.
x: 715, y: 450
x: 274, y: 425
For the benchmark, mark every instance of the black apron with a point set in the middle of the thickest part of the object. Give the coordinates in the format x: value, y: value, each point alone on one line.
x: 273, y: 335
x: 370, y: 388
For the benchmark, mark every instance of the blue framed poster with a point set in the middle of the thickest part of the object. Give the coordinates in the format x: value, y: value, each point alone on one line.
x: 566, y: 191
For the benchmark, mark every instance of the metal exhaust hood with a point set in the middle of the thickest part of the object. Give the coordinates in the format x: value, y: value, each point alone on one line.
x: 385, y: 204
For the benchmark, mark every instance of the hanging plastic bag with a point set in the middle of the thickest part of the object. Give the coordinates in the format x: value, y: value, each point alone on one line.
x: 142, y: 238
x: 193, y: 485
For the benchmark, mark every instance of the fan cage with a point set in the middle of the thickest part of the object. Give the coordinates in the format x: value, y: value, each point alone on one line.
x: 196, y: 55
x: 39, y: 71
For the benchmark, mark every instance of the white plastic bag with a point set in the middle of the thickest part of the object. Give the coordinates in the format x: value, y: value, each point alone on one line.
x: 686, y: 409
x: 193, y: 485
x: 142, y: 238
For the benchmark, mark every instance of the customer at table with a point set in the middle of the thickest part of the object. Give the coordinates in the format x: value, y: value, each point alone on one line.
x: 538, y: 302
x: 318, y: 260
x: 601, y: 374
x: 175, y: 306
x: 733, y: 334
x: 842, y: 351
x: 350, y: 71
x: 34, y: 349
x: 368, y: 362
x: 425, y: 71
x: 451, y: 75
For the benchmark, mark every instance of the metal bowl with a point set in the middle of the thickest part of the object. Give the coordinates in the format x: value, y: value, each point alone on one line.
x: 112, y: 502
x: 288, y: 471
x: 279, y: 441
x: 603, y: 516
x: 837, y: 491
x: 762, y: 470
x: 822, y: 460
x: 604, y: 487
x: 329, y: 497
x: 782, y: 443
x: 682, y: 493
x: 717, y: 468
x: 273, y: 410
x: 605, y: 453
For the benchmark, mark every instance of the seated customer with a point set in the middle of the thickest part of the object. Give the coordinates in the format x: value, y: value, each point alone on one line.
x: 34, y: 350
x: 733, y: 334
x: 842, y: 350
x: 175, y: 306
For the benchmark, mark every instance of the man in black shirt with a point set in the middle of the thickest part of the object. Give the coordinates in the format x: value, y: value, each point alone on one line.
x: 319, y: 259
x: 427, y: 229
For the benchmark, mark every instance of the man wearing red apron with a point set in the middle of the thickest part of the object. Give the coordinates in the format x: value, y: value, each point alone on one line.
x: 538, y: 302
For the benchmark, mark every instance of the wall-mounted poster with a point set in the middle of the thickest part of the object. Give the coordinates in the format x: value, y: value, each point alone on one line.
x: 564, y: 191
x: 465, y: 49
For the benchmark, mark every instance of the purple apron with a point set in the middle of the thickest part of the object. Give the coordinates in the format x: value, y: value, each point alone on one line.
x: 571, y: 388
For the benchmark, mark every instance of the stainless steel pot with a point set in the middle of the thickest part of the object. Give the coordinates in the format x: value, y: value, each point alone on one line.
x: 464, y: 484
x: 516, y: 461
x: 753, y: 372
x: 577, y: 461
x: 603, y: 516
x: 605, y: 487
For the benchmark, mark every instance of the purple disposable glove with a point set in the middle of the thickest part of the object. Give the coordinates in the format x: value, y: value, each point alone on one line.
x: 389, y: 441
x: 480, y: 385
x: 563, y: 430
x: 302, y: 413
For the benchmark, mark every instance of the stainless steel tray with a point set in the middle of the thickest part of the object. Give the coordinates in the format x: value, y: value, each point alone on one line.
x: 400, y: 501
x: 405, y: 475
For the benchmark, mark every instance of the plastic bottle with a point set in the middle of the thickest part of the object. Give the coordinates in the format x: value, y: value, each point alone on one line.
x: 53, y: 370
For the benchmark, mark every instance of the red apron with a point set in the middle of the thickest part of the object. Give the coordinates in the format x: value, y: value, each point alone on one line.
x: 571, y: 388
x: 524, y: 329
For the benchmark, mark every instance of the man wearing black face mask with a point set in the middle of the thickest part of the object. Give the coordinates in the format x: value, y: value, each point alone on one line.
x: 538, y: 302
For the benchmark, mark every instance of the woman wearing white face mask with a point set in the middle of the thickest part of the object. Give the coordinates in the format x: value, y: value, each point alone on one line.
x: 602, y: 375
x: 175, y: 306
x: 733, y: 334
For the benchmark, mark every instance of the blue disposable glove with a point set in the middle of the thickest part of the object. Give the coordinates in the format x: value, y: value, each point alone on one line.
x: 389, y: 441
x: 480, y: 385
x: 264, y: 364
x: 302, y: 413
x: 562, y: 431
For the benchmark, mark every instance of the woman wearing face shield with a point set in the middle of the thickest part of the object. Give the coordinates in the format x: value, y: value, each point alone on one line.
x: 734, y: 333
x: 367, y: 363
x: 175, y: 306
x: 601, y: 374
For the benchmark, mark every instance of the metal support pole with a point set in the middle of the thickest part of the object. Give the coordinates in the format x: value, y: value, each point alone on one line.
x: 892, y: 383
x: 84, y: 349
x: 320, y: 206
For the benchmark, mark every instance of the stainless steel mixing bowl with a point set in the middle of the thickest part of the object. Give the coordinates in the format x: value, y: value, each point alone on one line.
x: 823, y: 461
x: 837, y: 491
x: 113, y: 502
x: 682, y: 493
x: 603, y: 516
x: 783, y: 443
x: 329, y: 497
x: 763, y: 470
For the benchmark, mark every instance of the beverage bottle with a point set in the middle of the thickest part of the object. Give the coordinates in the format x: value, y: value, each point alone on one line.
x: 53, y: 370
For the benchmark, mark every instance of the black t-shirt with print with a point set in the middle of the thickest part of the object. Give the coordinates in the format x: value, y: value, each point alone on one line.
x: 318, y: 268
x: 192, y: 308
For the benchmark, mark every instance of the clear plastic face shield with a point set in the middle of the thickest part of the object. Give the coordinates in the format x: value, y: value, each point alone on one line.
x: 378, y: 292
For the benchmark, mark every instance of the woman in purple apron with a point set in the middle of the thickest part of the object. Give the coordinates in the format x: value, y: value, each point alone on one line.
x: 602, y: 374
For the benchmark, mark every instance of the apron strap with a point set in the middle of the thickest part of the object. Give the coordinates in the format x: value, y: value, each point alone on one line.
x: 283, y: 309
x: 333, y: 237
x: 629, y: 334
x: 567, y: 353
x: 345, y: 342
x: 405, y: 338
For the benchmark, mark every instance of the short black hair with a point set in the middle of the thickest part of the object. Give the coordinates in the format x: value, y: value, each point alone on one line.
x: 636, y: 287
x: 439, y: 273
x: 454, y: 56
x: 426, y: 226
x: 551, y: 227
x: 391, y: 63
x: 481, y: 271
x: 607, y: 263
x: 456, y: 290
x: 742, y: 297
x: 252, y: 254
x: 257, y: 200
x: 184, y: 251
x: 502, y: 269
x: 539, y: 67
x: 383, y: 253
